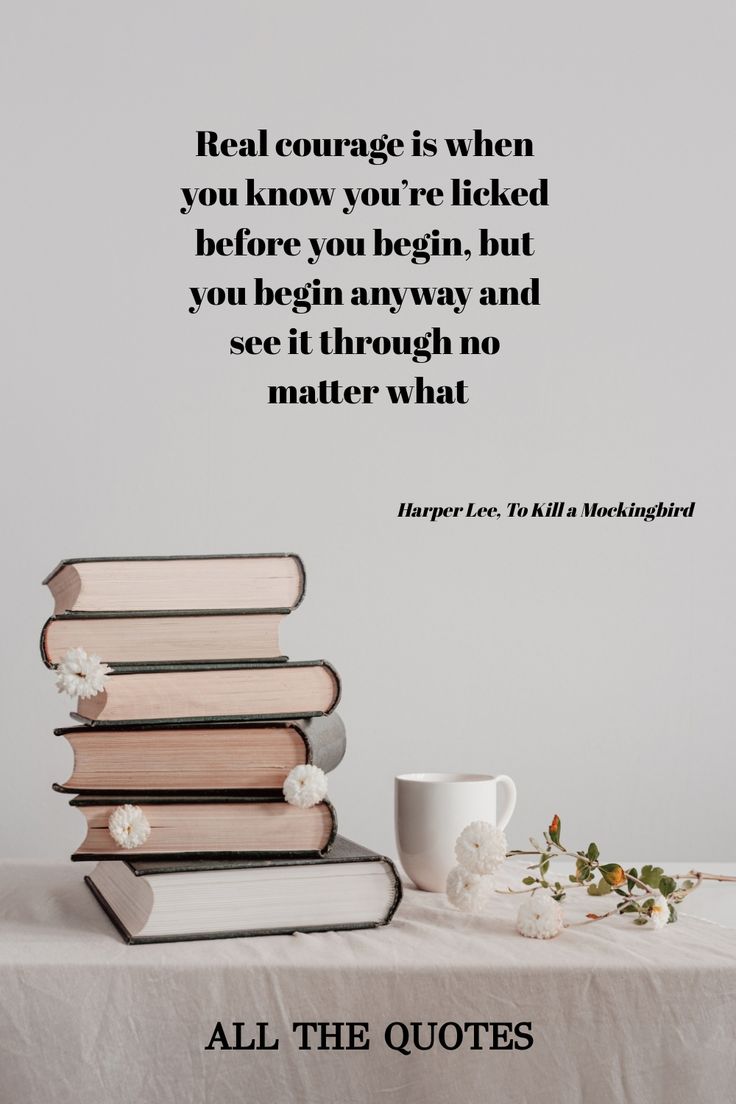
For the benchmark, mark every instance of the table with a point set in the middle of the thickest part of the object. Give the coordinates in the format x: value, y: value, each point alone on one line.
x: 618, y: 1013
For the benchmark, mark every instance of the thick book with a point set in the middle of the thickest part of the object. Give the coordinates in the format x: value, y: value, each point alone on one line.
x: 151, y: 902
x: 135, y: 583
x: 215, y: 825
x: 214, y: 691
x: 167, y: 636
x: 240, y: 755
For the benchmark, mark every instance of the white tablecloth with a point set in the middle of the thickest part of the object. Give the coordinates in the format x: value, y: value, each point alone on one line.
x: 618, y: 1013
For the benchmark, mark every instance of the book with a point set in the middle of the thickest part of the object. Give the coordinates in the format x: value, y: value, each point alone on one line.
x: 135, y: 583
x: 167, y: 636
x: 154, y: 902
x: 239, y: 755
x: 222, y: 825
x: 214, y: 691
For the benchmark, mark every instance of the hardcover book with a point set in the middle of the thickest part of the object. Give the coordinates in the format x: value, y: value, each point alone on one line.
x: 167, y: 636
x: 244, y: 582
x: 214, y: 691
x: 191, y: 758
x: 208, y: 824
x: 152, y: 902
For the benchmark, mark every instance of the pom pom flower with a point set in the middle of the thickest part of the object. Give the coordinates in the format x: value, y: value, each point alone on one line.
x: 81, y: 675
x: 128, y: 826
x: 467, y: 891
x: 540, y: 917
x: 305, y: 786
x: 481, y: 847
x: 659, y: 911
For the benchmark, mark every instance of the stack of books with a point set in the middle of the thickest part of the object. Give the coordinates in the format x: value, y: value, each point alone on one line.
x: 186, y: 742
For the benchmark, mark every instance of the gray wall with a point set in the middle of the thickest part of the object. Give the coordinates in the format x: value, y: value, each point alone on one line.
x: 591, y: 660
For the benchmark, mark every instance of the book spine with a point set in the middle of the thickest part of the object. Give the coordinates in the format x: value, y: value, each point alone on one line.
x: 398, y: 891
x: 325, y: 739
x: 42, y: 643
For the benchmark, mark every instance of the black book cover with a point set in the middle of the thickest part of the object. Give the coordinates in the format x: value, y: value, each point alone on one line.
x: 343, y: 851
x: 169, y: 668
x: 203, y: 797
x: 80, y: 616
x: 324, y: 741
x: 215, y: 556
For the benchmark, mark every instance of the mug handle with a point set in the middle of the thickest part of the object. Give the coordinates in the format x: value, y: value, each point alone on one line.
x: 505, y: 817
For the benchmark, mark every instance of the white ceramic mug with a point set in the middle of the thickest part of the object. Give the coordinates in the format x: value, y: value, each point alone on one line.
x: 431, y: 812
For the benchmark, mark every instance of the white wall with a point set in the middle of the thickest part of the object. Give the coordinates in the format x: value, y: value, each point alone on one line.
x: 592, y: 660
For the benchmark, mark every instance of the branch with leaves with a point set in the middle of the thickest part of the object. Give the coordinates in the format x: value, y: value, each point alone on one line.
x: 648, y: 896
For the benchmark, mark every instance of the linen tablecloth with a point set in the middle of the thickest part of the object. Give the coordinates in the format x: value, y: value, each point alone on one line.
x: 618, y: 1013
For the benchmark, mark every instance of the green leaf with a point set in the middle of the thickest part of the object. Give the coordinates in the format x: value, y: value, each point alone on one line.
x: 627, y: 908
x: 667, y: 885
x: 573, y: 877
x: 528, y: 880
x: 651, y: 875
x: 593, y: 851
x: 673, y: 915
x: 583, y: 870
x: 631, y: 874
x: 544, y: 865
x: 640, y: 920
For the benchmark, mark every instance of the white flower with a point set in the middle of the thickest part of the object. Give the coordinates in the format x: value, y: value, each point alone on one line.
x: 305, y: 786
x: 659, y: 914
x: 81, y: 675
x: 481, y: 847
x: 128, y: 826
x: 540, y: 917
x: 467, y: 891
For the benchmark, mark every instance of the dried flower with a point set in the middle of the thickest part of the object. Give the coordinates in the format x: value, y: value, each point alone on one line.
x: 305, y: 786
x: 540, y: 917
x: 467, y: 891
x: 481, y: 847
x: 659, y: 911
x: 81, y: 675
x: 128, y: 826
